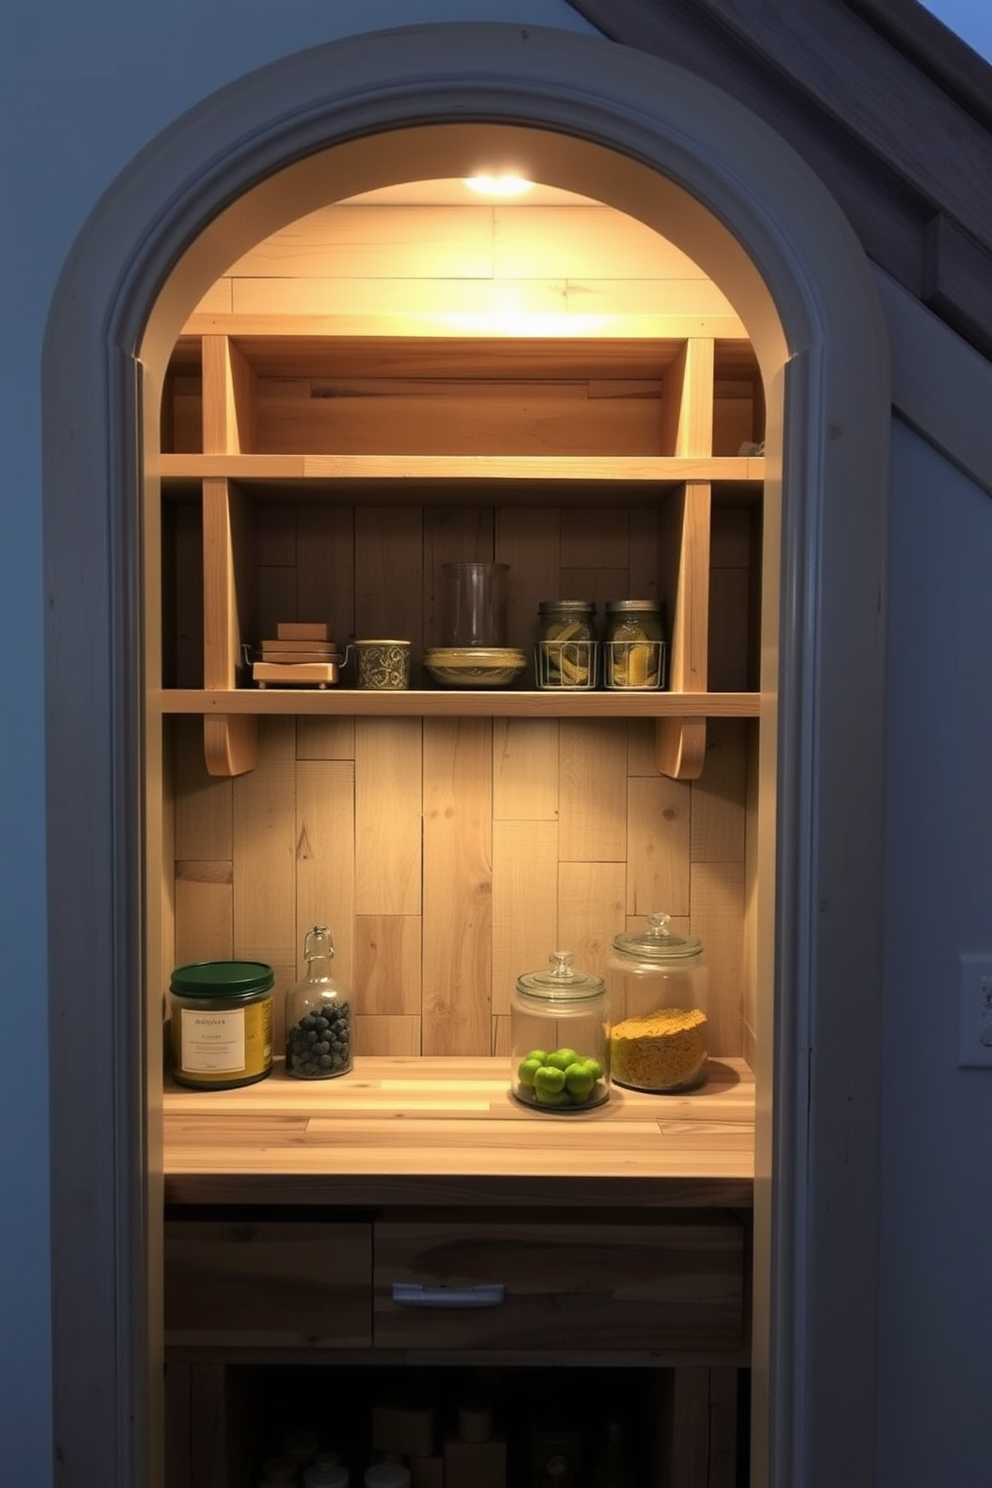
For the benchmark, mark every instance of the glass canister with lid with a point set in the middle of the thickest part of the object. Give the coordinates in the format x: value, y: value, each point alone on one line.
x: 659, y: 987
x: 560, y: 1026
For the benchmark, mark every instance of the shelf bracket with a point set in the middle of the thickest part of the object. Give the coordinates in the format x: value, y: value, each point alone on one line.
x: 230, y: 744
x: 680, y: 747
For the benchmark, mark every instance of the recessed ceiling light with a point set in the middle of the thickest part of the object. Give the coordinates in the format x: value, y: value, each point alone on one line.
x: 499, y: 185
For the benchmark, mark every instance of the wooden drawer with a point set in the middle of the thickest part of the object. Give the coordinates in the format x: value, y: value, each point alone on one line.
x: 278, y: 1284
x: 660, y: 1287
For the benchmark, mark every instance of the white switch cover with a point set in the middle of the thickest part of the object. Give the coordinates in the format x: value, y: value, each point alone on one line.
x: 975, y: 1027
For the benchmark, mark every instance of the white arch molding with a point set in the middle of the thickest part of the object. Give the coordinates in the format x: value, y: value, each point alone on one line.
x: 662, y: 145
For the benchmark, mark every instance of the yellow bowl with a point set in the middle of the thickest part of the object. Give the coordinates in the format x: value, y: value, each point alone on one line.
x: 475, y: 666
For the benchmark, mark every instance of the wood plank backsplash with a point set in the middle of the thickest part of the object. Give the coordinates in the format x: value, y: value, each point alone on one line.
x: 448, y: 856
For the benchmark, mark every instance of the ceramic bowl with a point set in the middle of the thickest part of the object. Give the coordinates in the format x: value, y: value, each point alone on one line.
x: 474, y: 666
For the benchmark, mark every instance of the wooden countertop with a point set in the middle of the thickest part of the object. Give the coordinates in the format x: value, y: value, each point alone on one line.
x: 445, y: 1131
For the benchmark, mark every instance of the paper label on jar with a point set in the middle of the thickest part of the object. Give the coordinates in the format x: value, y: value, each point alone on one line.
x: 213, y: 1043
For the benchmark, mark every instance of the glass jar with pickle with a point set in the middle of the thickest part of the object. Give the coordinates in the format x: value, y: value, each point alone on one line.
x: 567, y: 651
x: 634, y: 645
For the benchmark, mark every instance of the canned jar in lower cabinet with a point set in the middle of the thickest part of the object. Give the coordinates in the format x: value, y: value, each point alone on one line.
x: 221, y: 1030
x: 659, y: 988
x: 560, y: 1029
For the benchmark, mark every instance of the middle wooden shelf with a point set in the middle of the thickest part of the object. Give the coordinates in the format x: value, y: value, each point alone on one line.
x: 452, y: 703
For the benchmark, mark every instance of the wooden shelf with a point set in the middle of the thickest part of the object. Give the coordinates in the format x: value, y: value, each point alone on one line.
x: 410, y: 471
x: 513, y: 424
x: 430, y: 1130
x: 477, y: 703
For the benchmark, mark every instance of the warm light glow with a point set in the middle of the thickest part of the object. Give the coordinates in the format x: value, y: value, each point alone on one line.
x: 499, y: 185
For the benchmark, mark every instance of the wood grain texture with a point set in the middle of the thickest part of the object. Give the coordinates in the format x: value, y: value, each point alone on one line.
x: 525, y: 903
x: 661, y: 1286
x: 445, y: 1130
x: 592, y: 792
x: 486, y: 302
x: 388, y: 1034
x: 658, y: 837
x: 591, y: 910
x: 388, y: 966
x: 388, y: 816
x: 264, y: 837
x: 325, y: 859
x: 203, y: 820
x: 457, y: 886
x: 525, y: 769
x: 267, y: 1284
x: 717, y: 897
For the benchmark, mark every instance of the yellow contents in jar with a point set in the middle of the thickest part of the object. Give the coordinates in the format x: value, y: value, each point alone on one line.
x: 664, y: 1050
x: 570, y: 662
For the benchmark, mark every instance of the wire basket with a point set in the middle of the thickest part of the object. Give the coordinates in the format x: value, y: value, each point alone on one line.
x: 634, y: 666
x: 567, y: 666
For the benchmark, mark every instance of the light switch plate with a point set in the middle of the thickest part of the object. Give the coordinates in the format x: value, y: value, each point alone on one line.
x: 975, y: 1011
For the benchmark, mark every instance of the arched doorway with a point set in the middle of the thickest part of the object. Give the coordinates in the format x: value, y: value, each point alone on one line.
x: 667, y: 149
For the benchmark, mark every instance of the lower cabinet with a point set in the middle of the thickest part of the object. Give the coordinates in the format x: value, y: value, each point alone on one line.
x: 582, y: 1349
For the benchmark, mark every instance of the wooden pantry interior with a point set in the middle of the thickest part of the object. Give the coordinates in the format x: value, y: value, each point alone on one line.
x: 376, y: 390
x: 387, y: 384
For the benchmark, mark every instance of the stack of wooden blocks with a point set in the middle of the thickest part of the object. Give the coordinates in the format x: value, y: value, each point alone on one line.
x: 302, y: 654
x: 472, y: 1455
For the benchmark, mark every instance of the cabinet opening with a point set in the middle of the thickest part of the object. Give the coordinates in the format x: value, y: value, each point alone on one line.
x: 585, y: 1424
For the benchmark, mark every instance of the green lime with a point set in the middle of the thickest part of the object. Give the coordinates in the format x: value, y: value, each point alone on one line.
x: 554, y: 1098
x: 539, y: 1054
x: 527, y: 1069
x: 594, y: 1067
x: 578, y: 1080
x: 562, y: 1058
x: 548, y: 1080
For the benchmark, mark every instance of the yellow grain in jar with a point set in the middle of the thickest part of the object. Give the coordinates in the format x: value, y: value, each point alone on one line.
x: 663, y: 1050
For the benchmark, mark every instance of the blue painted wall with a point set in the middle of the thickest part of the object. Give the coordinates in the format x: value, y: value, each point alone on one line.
x: 82, y: 89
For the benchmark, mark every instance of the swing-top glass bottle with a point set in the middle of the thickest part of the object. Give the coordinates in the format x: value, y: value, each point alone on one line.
x: 319, y: 1034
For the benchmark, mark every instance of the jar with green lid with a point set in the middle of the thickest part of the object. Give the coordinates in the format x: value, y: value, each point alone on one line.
x: 567, y: 652
x: 634, y: 645
x: 659, y: 987
x: 221, y: 1033
x: 319, y: 1043
x: 560, y: 1026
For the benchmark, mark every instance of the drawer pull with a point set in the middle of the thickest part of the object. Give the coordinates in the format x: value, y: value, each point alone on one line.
x: 412, y: 1294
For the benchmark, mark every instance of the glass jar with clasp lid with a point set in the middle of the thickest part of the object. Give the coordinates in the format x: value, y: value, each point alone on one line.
x: 634, y: 645
x: 659, y: 987
x: 319, y: 1042
x: 560, y: 1026
x: 567, y: 652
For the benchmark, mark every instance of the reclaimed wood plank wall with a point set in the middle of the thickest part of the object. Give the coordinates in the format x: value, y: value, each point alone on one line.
x: 449, y: 856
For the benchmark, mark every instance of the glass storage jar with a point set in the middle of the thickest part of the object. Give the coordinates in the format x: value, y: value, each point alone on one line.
x: 634, y: 645
x: 319, y: 1043
x: 659, y: 985
x: 560, y: 1028
x: 567, y: 653
x: 221, y: 1023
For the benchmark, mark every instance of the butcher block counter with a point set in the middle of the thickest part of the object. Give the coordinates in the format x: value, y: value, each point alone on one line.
x: 446, y: 1130
x: 343, y: 1234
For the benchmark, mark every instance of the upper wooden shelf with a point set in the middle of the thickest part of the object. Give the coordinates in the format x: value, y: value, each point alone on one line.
x: 285, y: 414
x: 408, y: 471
